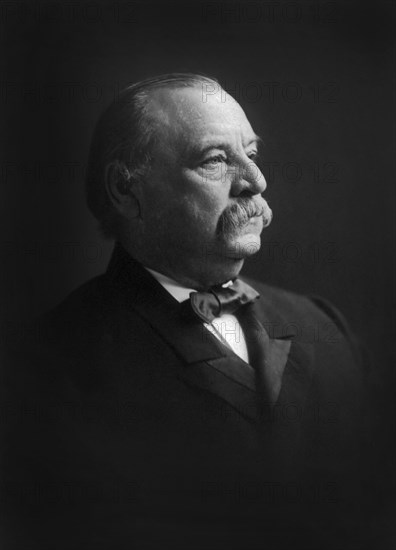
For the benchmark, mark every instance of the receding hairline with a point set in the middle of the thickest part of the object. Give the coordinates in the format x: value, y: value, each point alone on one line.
x: 162, y: 96
x: 163, y: 107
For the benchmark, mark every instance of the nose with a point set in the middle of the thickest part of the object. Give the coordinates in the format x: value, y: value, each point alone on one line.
x: 248, y: 178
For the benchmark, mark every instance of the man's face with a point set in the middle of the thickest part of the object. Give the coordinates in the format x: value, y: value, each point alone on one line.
x: 202, y: 203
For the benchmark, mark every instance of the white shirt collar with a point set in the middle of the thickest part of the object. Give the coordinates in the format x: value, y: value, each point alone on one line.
x: 178, y: 291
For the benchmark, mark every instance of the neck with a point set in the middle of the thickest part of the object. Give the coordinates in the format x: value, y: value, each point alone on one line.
x: 192, y: 272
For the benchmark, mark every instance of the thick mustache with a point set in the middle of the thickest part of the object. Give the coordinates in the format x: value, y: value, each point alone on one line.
x: 238, y: 214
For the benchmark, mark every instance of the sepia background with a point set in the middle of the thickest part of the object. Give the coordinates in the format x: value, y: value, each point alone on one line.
x: 316, y: 80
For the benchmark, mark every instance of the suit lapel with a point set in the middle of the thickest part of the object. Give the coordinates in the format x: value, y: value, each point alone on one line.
x: 205, y: 362
x: 291, y: 361
x: 267, y: 355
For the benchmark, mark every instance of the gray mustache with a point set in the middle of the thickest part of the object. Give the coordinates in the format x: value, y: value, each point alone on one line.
x: 238, y: 214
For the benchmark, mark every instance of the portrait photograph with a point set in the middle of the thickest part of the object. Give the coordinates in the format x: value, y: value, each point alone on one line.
x: 197, y: 275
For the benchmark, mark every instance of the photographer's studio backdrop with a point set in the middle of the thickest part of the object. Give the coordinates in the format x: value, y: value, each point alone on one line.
x: 315, y: 79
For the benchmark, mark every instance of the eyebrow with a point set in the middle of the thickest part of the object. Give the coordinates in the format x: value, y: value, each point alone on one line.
x: 196, y: 150
x: 257, y: 139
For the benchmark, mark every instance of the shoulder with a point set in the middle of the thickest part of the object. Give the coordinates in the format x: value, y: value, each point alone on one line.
x: 313, y: 317
x: 285, y: 304
x: 78, y: 318
x: 88, y: 298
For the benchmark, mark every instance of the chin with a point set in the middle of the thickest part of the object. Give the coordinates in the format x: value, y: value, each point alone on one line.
x: 243, y: 246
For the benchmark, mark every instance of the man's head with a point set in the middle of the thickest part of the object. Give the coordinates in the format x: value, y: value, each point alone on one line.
x: 173, y: 176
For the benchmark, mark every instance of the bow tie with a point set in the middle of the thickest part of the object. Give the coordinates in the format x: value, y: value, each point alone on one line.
x: 221, y: 299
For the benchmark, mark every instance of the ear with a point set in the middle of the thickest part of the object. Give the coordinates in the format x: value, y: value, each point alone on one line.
x: 122, y: 189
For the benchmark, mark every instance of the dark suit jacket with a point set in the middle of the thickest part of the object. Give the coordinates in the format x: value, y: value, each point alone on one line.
x: 128, y: 425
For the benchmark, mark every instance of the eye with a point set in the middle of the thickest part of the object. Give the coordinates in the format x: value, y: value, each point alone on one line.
x: 214, y: 161
x: 254, y: 156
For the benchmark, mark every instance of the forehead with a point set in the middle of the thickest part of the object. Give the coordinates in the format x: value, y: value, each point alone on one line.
x: 189, y: 117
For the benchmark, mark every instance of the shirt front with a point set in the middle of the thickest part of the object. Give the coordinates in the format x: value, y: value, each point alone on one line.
x: 226, y: 328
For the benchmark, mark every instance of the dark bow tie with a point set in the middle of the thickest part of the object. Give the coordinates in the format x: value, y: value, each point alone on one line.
x: 222, y: 299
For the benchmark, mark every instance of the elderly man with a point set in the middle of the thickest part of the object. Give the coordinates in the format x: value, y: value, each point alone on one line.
x: 175, y: 404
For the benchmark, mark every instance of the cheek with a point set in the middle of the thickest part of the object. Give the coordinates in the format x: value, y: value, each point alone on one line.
x: 204, y: 198
x: 202, y: 213
x: 188, y: 203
